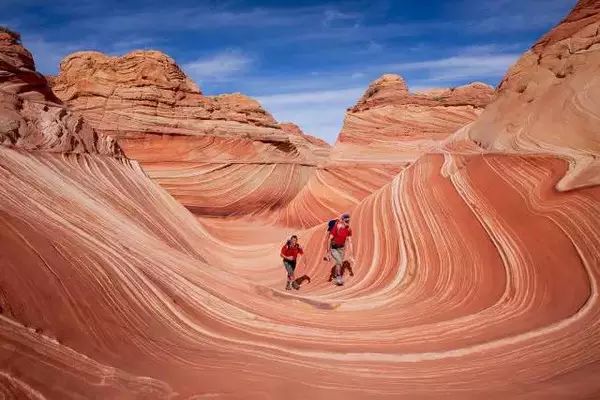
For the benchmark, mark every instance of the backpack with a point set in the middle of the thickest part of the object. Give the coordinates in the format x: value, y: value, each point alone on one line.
x: 288, y: 243
x: 331, y: 224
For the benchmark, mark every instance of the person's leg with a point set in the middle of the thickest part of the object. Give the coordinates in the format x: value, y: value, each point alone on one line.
x: 289, y: 267
x: 338, y: 257
x: 349, y: 268
x: 341, y: 263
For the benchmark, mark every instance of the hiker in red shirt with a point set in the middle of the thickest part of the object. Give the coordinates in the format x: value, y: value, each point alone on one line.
x: 338, y: 240
x: 290, y: 252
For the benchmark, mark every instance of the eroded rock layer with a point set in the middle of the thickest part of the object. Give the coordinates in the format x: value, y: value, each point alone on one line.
x: 387, y: 130
x: 31, y: 117
x: 397, y: 126
x: 474, y: 278
x: 151, y: 304
x: 549, y: 99
x: 187, y: 141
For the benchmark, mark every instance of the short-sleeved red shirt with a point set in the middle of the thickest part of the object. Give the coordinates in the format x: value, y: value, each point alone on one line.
x: 340, y: 234
x: 291, y: 251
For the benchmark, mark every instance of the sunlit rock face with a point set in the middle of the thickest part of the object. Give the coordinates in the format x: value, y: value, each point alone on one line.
x: 31, y: 117
x: 396, y: 126
x: 474, y: 278
x: 387, y: 130
x: 548, y: 100
x: 225, y: 151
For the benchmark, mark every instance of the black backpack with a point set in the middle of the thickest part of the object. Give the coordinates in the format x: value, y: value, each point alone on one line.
x: 331, y: 224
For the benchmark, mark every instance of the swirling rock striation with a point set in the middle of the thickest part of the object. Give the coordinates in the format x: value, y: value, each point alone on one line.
x: 398, y: 126
x: 203, y: 149
x: 548, y: 100
x: 387, y: 130
x: 473, y: 278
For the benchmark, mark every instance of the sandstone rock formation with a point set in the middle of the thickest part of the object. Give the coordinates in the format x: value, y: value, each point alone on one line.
x: 321, y: 146
x: 195, y: 146
x: 145, y: 91
x: 549, y: 98
x: 473, y: 278
x: 387, y: 130
x: 31, y: 117
x: 399, y: 126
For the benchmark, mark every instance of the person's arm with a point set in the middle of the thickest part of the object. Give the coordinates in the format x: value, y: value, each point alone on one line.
x: 284, y: 256
x: 328, y: 246
x: 300, y: 257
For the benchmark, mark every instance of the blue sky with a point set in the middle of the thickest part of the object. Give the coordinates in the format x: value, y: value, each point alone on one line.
x: 305, y: 61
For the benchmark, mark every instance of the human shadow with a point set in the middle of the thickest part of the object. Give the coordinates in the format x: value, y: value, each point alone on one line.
x: 301, y: 280
x: 345, y: 267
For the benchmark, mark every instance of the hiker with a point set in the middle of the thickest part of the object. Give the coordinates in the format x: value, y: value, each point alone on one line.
x: 338, y: 240
x: 290, y: 252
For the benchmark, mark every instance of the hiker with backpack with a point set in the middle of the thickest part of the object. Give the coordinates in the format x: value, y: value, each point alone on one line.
x: 290, y: 252
x: 339, y: 236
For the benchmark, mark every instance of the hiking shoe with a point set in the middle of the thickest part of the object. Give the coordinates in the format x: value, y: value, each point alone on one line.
x: 288, y: 286
x: 295, y: 285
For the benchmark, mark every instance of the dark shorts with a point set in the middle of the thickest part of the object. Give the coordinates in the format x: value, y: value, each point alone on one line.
x: 290, y: 266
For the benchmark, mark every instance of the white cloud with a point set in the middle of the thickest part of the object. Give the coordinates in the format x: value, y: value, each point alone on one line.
x: 374, y: 46
x: 332, y: 15
x: 201, y: 17
x: 320, y: 113
x: 220, y: 66
x: 461, y: 66
x: 126, y: 45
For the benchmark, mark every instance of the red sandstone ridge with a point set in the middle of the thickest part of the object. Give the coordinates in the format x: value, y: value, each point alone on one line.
x: 31, y: 117
x: 187, y: 141
x: 320, y: 148
x: 548, y: 100
x: 391, y: 89
x: 295, y: 130
x: 387, y: 130
x: 399, y: 126
x: 146, y: 91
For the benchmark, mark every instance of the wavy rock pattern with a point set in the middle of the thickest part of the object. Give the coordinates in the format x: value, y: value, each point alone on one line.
x: 397, y: 126
x: 186, y: 141
x: 453, y: 288
x: 474, y: 278
x: 385, y: 132
x: 549, y: 100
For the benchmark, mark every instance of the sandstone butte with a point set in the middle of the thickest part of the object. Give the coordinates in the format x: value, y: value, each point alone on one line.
x: 203, y: 149
x: 476, y: 272
x: 386, y: 131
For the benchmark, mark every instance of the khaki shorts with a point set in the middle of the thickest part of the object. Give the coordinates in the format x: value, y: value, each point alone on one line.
x: 338, y: 255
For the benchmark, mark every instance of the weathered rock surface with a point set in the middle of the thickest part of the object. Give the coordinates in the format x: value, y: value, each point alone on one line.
x: 398, y: 126
x: 31, y: 117
x: 548, y: 100
x: 473, y: 278
x: 195, y: 146
x: 387, y: 130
